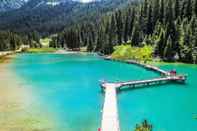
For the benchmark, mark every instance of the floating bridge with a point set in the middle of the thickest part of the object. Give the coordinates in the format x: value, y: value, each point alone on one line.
x: 110, y: 118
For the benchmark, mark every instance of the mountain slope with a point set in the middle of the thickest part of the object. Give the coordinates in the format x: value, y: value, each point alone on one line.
x: 7, y: 5
x: 48, y: 16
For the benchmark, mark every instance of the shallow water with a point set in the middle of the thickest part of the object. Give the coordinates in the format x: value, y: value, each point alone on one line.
x: 67, y: 86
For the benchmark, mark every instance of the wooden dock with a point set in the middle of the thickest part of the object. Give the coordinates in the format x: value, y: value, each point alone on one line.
x: 110, y: 119
x: 139, y: 83
x: 146, y: 66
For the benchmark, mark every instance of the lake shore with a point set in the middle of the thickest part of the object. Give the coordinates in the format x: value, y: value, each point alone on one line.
x: 17, y: 103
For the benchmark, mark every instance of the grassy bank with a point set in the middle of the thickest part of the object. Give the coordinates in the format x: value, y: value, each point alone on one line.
x: 40, y: 50
x: 126, y: 52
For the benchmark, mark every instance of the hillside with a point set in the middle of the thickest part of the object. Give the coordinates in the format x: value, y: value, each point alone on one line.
x: 48, y: 17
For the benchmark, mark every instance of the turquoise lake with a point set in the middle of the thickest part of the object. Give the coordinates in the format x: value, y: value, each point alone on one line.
x: 67, y: 86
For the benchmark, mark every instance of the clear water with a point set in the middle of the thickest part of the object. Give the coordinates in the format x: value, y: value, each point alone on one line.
x: 67, y: 86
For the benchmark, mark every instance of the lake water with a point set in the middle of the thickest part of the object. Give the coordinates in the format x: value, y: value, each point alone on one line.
x: 67, y: 88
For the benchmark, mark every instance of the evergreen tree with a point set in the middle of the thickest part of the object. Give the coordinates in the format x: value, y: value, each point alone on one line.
x: 156, y: 13
x: 177, y: 9
x: 195, y: 8
x: 189, y: 9
x: 99, y: 42
x: 136, y: 35
x: 162, y: 14
x: 126, y: 27
x: 119, y: 23
x: 169, y: 17
x: 168, y: 51
x: 12, y: 42
x: 145, y: 8
x: 90, y: 46
x: 131, y: 25
x: 159, y: 51
x: 150, y: 21
x: 112, y: 30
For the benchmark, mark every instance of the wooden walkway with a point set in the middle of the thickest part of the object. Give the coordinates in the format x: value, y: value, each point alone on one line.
x: 146, y: 66
x: 138, y: 83
x: 110, y: 119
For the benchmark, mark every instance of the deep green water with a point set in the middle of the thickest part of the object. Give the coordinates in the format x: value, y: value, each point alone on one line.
x: 67, y: 86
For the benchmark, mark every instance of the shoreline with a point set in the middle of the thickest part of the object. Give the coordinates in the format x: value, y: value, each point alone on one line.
x: 4, y: 54
x: 18, y: 104
x: 154, y: 62
x: 61, y: 51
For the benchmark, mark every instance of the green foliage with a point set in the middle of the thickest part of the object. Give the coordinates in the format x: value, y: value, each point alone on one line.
x: 145, y: 126
x: 126, y: 52
x: 10, y: 41
x: 40, y: 50
x: 45, y: 42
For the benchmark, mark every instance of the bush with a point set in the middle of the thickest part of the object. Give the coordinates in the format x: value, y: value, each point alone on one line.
x: 145, y: 126
x: 126, y: 52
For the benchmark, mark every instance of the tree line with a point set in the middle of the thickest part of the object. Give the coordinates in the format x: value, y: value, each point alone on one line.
x: 13, y: 41
x: 170, y: 26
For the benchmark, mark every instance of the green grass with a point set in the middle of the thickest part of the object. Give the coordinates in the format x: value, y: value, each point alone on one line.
x: 126, y: 52
x: 40, y: 50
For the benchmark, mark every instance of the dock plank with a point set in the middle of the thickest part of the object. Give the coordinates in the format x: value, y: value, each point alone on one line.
x: 110, y: 119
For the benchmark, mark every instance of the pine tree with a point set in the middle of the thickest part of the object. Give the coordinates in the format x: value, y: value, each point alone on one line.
x: 150, y: 21
x: 186, y: 50
x: 183, y: 7
x: 136, y: 35
x: 162, y: 14
x: 132, y: 21
x: 159, y: 50
x: 12, y: 42
x: 99, y: 42
x: 189, y: 9
x: 169, y: 17
x: 195, y: 7
x: 156, y: 13
x: 112, y: 30
x: 145, y: 8
x: 177, y: 9
x: 126, y: 28
x: 168, y: 51
x: 90, y: 46
x: 119, y: 26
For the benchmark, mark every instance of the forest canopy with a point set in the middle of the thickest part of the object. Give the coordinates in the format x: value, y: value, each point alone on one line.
x: 170, y: 26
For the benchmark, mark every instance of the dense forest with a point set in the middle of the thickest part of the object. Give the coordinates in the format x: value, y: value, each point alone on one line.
x: 13, y: 41
x: 170, y: 26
